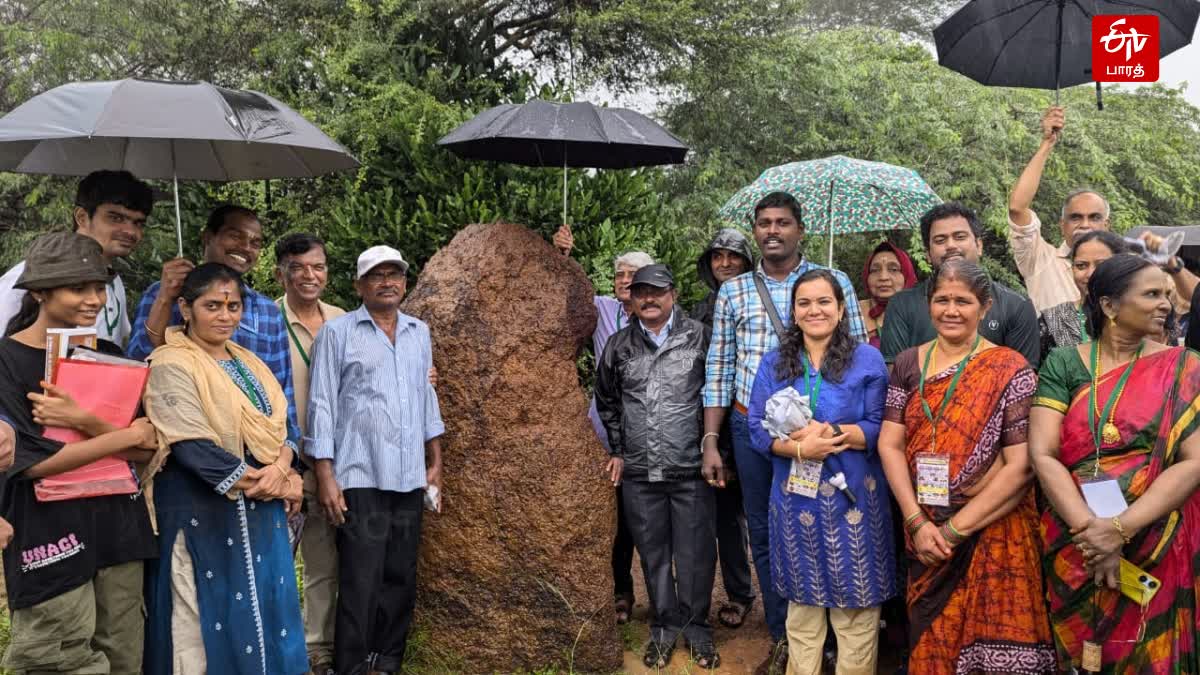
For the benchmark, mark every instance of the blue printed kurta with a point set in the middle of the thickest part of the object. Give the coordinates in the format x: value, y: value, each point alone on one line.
x: 825, y: 551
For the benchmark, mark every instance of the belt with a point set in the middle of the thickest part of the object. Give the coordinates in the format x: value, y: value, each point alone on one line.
x: 740, y: 408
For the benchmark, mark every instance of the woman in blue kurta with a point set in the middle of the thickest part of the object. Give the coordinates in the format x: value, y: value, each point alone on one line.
x: 222, y: 597
x: 828, y: 551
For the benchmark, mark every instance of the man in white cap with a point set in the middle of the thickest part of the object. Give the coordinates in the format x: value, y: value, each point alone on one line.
x: 374, y: 428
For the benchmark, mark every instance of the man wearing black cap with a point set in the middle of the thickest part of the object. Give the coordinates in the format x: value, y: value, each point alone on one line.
x: 648, y: 388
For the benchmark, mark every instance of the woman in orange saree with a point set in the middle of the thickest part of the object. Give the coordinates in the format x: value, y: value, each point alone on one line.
x: 1121, y: 412
x: 953, y: 445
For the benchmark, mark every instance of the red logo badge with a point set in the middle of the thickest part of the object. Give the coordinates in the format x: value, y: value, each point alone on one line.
x: 1125, y: 48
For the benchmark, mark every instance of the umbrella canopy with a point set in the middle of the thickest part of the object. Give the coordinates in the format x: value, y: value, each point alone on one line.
x: 840, y: 195
x: 1045, y: 44
x: 542, y: 133
x: 165, y: 130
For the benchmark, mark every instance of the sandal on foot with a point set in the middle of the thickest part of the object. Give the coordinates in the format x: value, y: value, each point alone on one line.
x: 623, y: 604
x: 733, y: 614
x: 658, y: 654
x: 706, y: 656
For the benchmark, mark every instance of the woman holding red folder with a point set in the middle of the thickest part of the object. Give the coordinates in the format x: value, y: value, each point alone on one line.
x: 74, y: 568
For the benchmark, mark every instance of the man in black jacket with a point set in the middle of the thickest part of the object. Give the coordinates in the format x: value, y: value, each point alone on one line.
x: 728, y: 255
x: 648, y: 395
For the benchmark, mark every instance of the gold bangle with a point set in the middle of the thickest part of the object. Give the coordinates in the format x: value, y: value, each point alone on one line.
x: 150, y: 331
x: 798, y: 455
x: 1116, y: 521
x: 282, y: 471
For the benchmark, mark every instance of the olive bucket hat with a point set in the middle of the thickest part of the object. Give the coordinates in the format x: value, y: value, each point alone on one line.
x: 63, y: 259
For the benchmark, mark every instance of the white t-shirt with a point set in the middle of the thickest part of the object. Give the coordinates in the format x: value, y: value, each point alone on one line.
x: 112, y: 324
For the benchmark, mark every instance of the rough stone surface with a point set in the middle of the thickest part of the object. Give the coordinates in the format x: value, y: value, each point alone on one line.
x: 514, y: 574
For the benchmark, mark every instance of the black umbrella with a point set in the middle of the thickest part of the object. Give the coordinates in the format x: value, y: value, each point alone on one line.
x: 580, y: 135
x: 1045, y: 44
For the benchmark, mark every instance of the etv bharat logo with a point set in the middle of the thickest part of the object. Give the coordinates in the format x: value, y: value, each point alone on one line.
x: 1125, y: 48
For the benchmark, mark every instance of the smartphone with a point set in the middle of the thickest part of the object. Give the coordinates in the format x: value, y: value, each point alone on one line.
x: 1137, y: 584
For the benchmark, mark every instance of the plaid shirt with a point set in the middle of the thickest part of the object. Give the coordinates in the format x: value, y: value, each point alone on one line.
x: 261, y: 331
x: 743, y: 334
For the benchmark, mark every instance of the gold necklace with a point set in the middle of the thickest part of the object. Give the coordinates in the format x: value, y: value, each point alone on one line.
x: 1109, y: 433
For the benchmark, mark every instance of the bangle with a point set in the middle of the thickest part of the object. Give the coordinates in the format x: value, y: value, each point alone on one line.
x: 917, y: 523
x: 798, y: 455
x: 150, y: 331
x: 705, y: 436
x: 282, y: 471
x: 951, y: 533
x: 1116, y: 521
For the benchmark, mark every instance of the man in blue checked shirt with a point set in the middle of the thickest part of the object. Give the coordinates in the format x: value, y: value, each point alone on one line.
x: 233, y: 236
x: 374, y: 427
x: 743, y: 332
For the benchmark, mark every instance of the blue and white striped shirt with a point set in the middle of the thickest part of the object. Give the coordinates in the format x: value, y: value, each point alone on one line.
x: 370, y: 405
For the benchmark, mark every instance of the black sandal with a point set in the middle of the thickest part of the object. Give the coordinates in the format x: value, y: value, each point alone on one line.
x: 706, y: 656
x: 623, y: 603
x: 737, y: 609
x: 658, y: 654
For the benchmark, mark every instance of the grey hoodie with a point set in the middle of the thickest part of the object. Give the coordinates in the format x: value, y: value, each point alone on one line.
x: 730, y: 240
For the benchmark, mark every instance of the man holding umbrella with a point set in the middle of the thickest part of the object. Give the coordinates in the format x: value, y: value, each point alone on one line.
x: 744, y: 320
x: 110, y: 207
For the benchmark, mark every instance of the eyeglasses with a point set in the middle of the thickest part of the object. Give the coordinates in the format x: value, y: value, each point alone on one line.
x: 377, y: 277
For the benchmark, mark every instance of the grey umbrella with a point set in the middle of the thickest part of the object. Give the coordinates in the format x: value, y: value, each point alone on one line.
x: 165, y: 130
x: 544, y: 133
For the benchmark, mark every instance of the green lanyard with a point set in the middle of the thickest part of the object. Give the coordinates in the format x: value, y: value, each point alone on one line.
x: 814, y: 392
x: 620, y: 311
x: 1082, y: 324
x: 247, y: 386
x: 112, y: 325
x: 295, y: 340
x: 1096, y: 425
x: 962, y: 365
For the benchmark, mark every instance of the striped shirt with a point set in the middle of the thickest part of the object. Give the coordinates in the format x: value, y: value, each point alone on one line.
x: 261, y: 331
x: 743, y: 334
x: 370, y: 405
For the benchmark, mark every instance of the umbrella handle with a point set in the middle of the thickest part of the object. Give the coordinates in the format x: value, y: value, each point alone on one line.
x: 178, y: 221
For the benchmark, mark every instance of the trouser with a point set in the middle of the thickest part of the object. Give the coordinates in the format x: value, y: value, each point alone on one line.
x: 733, y: 544
x: 674, y: 522
x: 95, y: 628
x: 755, y: 472
x: 318, y: 547
x: 622, y: 551
x: 377, y: 579
x: 857, y: 632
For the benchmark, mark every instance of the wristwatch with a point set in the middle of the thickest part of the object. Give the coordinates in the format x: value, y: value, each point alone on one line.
x: 837, y: 430
x: 1174, y: 265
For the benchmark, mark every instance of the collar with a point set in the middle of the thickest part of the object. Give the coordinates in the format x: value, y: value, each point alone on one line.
x: 322, y: 306
x: 402, y: 320
x: 666, y: 329
x: 802, y: 266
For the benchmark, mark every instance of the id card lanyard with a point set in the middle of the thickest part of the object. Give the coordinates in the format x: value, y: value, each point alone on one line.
x: 295, y: 340
x: 813, y: 390
x: 934, y: 420
x: 248, y: 389
x: 1101, y: 430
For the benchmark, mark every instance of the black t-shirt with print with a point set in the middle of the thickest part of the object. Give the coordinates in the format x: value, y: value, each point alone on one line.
x: 56, y: 546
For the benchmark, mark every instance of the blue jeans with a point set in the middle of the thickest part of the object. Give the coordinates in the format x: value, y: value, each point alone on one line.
x: 755, y: 473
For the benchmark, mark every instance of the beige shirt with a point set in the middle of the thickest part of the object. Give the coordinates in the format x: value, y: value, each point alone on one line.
x: 1046, y: 269
x: 299, y: 367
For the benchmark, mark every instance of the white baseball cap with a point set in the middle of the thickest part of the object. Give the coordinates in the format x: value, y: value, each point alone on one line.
x: 378, y: 255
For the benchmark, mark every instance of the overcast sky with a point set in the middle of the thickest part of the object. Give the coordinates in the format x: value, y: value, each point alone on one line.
x: 1183, y: 66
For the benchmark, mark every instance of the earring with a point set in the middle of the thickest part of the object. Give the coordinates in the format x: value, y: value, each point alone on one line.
x: 1112, y: 322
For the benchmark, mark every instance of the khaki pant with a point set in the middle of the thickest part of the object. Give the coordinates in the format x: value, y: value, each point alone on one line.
x: 97, y: 628
x: 857, y: 632
x: 319, y: 551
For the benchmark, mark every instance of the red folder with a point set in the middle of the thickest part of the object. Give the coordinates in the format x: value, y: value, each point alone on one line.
x: 112, y: 393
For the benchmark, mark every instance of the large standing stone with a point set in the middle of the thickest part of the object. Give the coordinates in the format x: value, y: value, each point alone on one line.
x: 515, y: 573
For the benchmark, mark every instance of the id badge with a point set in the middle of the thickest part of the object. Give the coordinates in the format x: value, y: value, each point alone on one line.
x: 804, y: 477
x: 1104, y: 498
x: 1092, y: 659
x: 933, y: 480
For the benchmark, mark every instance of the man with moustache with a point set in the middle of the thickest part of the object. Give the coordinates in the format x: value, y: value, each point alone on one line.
x: 301, y: 268
x: 110, y: 207
x: 374, y: 427
x: 743, y: 332
x: 728, y: 255
x: 948, y: 231
x: 233, y: 236
x: 648, y: 386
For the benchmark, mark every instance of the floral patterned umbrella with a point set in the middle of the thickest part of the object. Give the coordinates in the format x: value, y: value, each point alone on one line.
x: 840, y: 195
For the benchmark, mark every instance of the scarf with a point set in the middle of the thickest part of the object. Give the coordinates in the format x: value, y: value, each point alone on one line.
x: 878, y: 307
x: 190, y: 397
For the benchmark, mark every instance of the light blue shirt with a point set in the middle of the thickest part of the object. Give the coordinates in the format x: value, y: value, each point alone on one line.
x: 370, y: 407
x: 659, y: 339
